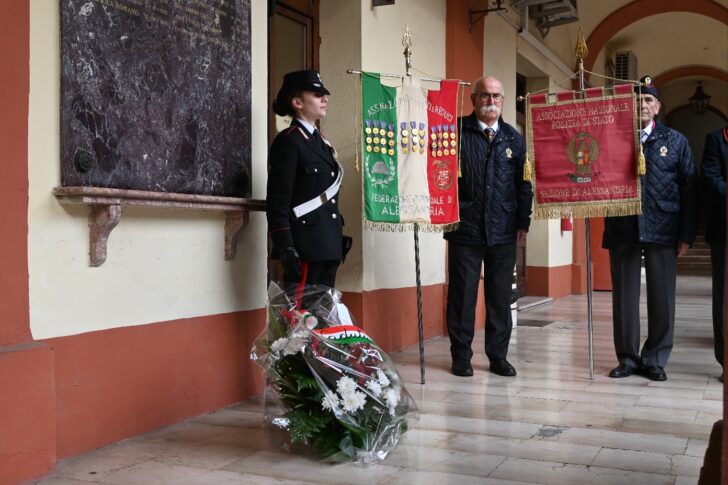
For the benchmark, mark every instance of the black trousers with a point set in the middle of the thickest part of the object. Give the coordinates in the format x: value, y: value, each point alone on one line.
x: 717, y: 261
x: 660, y: 269
x: 464, y: 264
x: 319, y: 273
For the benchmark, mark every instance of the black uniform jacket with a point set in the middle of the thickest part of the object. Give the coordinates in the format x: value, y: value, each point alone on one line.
x: 301, y: 167
x: 715, y: 155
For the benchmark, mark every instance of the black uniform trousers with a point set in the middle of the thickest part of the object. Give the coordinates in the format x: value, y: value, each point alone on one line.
x: 464, y: 263
x: 717, y: 260
x: 318, y: 273
x: 660, y: 269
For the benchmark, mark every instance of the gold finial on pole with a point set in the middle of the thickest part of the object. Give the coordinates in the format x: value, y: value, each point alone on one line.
x: 581, y: 50
x: 407, y: 44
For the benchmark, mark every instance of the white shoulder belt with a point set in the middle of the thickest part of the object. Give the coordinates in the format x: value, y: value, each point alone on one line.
x: 313, y: 204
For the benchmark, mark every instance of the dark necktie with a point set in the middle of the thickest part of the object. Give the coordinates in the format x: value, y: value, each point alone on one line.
x: 318, y: 139
x: 489, y: 133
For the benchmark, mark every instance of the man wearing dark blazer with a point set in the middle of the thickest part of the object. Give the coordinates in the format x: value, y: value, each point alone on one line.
x: 665, y: 230
x: 715, y: 154
x: 495, y: 214
x: 304, y: 221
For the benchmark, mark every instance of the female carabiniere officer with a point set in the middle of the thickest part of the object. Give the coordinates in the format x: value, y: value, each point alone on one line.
x: 304, y: 177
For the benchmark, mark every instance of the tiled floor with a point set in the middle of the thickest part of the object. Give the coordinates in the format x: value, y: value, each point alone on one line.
x: 550, y: 424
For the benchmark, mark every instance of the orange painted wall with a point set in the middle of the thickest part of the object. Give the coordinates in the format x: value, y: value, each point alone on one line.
x: 27, y: 397
x: 601, y: 273
x: 27, y: 412
x: 389, y: 316
x: 118, y: 383
x: 14, y: 82
x: 543, y: 281
x: 578, y: 267
x: 463, y: 49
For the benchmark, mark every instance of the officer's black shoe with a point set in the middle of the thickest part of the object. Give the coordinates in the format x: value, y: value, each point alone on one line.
x: 654, y: 373
x: 502, y: 367
x: 622, y: 370
x: 462, y: 368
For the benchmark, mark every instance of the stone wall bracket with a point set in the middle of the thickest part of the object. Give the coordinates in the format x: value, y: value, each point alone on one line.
x: 106, y: 207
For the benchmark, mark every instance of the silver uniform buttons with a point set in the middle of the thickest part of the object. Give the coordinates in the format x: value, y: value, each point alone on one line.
x: 315, y: 170
x: 333, y: 216
x: 332, y: 174
x: 333, y: 201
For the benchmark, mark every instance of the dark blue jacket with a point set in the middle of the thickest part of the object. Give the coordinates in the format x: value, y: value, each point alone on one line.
x: 669, y: 209
x: 495, y: 201
x: 301, y: 168
x: 715, y: 154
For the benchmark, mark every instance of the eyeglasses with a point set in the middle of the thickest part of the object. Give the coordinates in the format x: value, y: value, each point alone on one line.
x: 494, y: 96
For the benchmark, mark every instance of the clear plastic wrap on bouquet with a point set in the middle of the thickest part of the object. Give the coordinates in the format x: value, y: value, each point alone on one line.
x: 331, y: 391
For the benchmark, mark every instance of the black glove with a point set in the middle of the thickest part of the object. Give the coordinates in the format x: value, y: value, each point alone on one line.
x: 291, y: 263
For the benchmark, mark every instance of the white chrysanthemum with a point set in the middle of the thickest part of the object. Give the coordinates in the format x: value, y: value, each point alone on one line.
x: 375, y: 387
x: 278, y: 345
x: 281, y: 422
x: 300, y: 334
x: 346, y: 385
x: 330, y: 401
x: 353, y: 401
x: 382, y: 377
x: 292, y: 346
x: 392, y: 397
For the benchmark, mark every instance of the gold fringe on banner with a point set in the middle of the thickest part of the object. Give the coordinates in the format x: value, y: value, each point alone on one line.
x: 387, y: 226
x: 437, y: 228
x: 409, y: 226
x: 589, y: 209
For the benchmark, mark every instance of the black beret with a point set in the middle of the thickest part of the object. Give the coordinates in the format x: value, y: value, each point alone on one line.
x: 646, y: 86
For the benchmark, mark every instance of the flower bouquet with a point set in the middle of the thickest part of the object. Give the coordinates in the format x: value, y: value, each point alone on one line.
x: 330, y: 390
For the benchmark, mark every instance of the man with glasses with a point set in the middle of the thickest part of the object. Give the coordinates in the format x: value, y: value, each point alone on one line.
x: 495, y: 213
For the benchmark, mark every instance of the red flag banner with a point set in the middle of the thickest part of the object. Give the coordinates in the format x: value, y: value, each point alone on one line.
x: 583, y: 154
x: 442, y: 157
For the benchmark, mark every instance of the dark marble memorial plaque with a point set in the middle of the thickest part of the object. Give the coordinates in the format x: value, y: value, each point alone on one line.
x: 156, y: 95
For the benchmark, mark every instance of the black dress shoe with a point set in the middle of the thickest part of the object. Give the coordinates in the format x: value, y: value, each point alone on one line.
x: 622, y: 370
x: 462, y: 369
x: 502, y: 367
x: 654, y: 373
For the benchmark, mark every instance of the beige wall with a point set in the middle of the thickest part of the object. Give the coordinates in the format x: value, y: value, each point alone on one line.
x: 162, y: 264
x: 354, y: 36
x: 389, y: 258
x: 499, y: 60
x: 340, y: 30
x: 546, y: 69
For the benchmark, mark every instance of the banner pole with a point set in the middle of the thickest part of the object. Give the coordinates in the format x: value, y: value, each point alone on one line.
x: 407, y: 44
x: 419, y: 303
x: 581, y: 52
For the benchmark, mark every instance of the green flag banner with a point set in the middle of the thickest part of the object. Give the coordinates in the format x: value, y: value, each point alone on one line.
x: 409, y: 153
